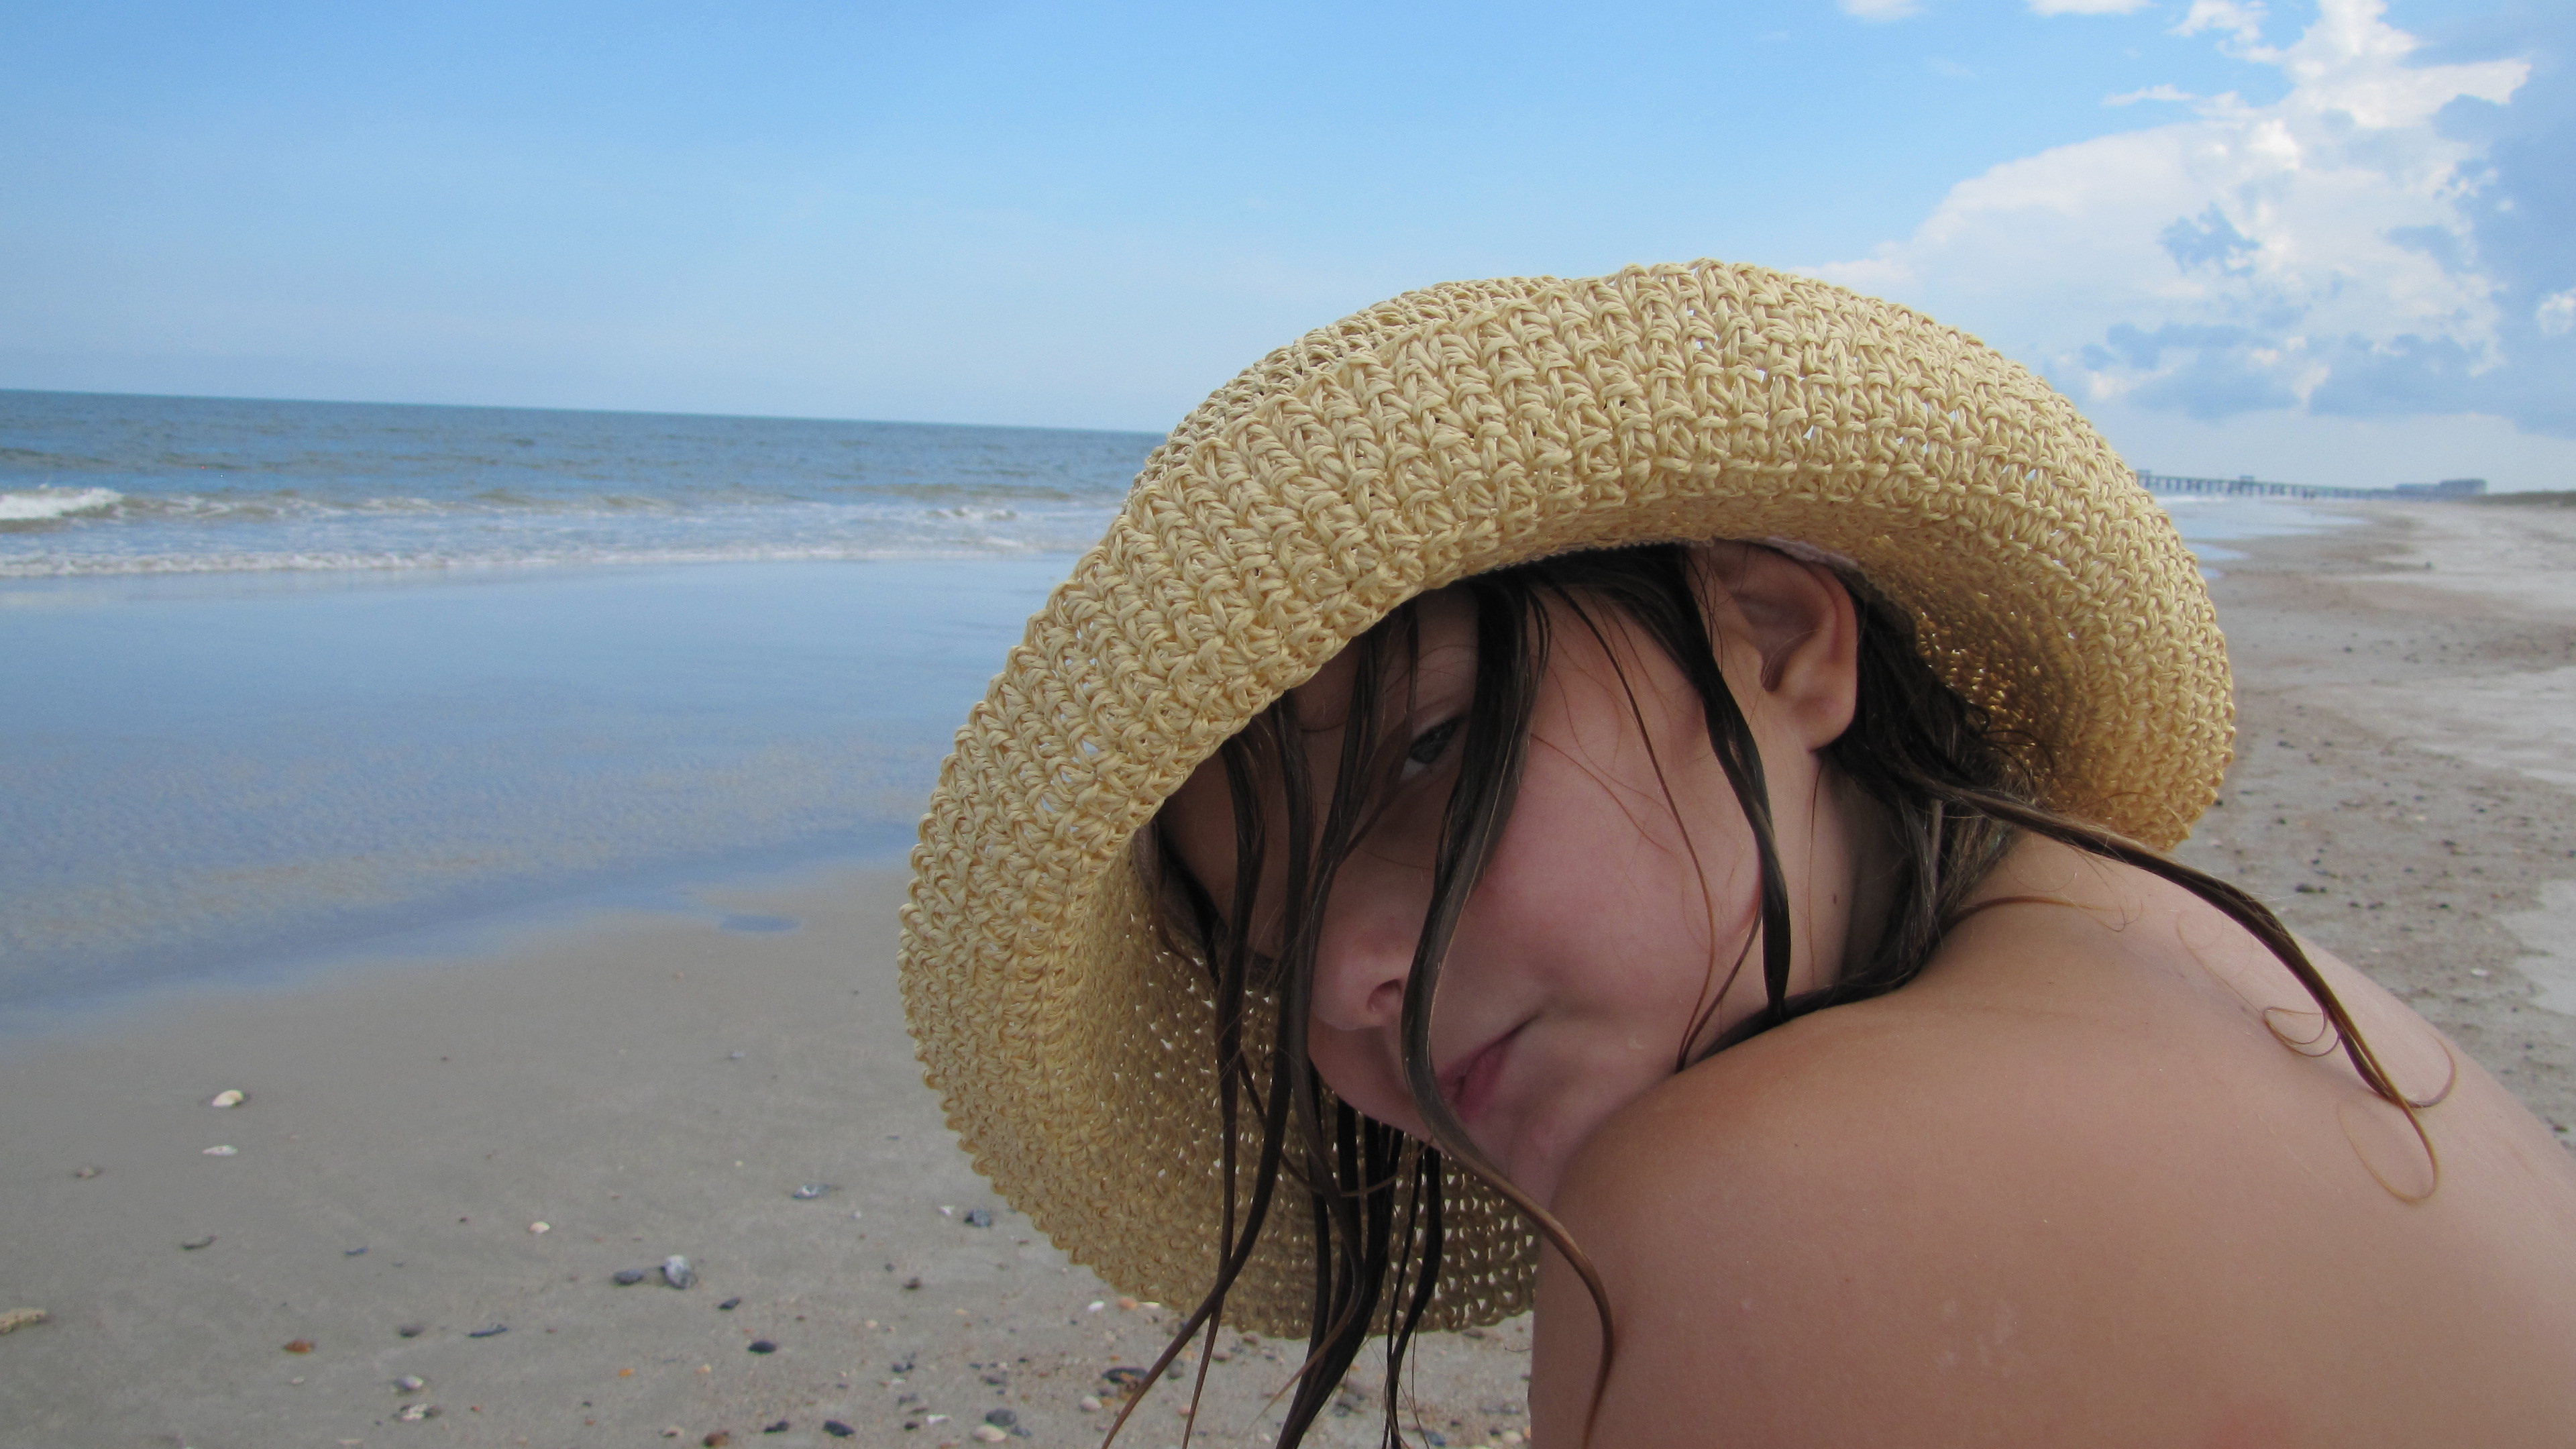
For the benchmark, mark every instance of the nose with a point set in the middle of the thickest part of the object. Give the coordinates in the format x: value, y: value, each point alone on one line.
x: 1365, y: 953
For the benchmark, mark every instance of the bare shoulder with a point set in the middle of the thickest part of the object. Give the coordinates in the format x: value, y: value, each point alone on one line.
x: 2029, y: 1201
x: 1846, y: 1227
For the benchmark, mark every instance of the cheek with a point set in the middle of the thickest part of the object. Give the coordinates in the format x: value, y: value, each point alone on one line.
x: 1625, y: 883
x: 1609, y: 896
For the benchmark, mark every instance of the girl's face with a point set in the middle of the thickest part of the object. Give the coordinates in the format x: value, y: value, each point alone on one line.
x: 1601, y: 945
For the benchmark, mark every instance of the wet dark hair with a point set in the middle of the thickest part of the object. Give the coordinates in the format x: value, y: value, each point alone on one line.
x: 1954, y: 792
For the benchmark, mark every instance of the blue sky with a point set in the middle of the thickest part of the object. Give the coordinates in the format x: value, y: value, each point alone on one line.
x: 2328, y: 241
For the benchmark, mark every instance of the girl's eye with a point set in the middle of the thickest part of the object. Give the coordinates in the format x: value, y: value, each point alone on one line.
x: 1428, y: 747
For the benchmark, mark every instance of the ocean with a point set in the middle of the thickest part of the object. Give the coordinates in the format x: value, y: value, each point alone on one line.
x: 96, y: 484
x: 285, y: 683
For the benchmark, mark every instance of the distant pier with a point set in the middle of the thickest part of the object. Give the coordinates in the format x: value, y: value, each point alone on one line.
x: 2250, y: 486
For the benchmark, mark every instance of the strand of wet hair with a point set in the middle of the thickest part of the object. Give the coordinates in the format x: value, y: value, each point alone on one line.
x: 1659, y: 587
x: 1295, y: 1101
x: 1975, y: 804
x: 1423, y: 1237
x: 1230, y: 960
x: 2249, y: 913
x: 1346, y: 1197
x: 1491, y: 756
x: 1713, y: 989
x: 1358, y: 1199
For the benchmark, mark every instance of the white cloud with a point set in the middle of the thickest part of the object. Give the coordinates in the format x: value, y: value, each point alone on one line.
x: 2556, y: 313
x: 1876, y: 10
x: 2151, y: 93
x: 2316, y: 252
x: 2242, y: 20
x: 2088, y: 7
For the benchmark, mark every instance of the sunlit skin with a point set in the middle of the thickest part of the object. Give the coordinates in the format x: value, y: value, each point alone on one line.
x: 2068, y: 1186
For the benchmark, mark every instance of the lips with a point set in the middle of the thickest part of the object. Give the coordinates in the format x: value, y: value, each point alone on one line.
x: 1468, y: 1084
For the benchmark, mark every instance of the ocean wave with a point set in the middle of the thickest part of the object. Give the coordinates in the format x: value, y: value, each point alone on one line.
x: 106, y: 505
x: 106, y: 565
x: 52, y: 505
x: 106, y: 484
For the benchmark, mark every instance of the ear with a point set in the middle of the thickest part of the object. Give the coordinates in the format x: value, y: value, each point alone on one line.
x: 1787, y: 632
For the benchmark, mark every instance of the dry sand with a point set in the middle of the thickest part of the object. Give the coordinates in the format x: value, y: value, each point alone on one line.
x: 649, y: 1085
x: 644, y: 1086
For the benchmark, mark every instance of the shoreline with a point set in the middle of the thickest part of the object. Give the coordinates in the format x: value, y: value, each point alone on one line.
x: 2401, y: 791
x: 443, y: 934
x: 647, y: 1083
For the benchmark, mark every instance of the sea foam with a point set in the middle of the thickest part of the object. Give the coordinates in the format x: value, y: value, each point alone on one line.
x: 46, y: 505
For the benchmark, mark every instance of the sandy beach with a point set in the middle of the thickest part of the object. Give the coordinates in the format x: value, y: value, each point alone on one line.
x: 643, y: 1085
x: 2404, y: 790
x: 652, y: 1084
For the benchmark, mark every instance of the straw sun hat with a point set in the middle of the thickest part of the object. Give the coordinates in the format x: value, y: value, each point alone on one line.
x: 1450, y: 431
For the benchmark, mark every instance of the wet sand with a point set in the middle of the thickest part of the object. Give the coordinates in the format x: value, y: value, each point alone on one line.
x: 650, y: 1084
x: 2405, y: 785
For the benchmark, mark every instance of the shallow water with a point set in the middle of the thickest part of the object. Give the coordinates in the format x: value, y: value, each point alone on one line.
x: 209, y: 774
x: 2204, y: 521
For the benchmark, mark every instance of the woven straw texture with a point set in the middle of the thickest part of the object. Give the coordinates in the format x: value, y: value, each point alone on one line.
x: 1450, y: 431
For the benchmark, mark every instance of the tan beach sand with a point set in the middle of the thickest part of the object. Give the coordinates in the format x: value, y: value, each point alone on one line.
x: 2404, y: 794
x: 431, y: 1113
x: 2405, y: 785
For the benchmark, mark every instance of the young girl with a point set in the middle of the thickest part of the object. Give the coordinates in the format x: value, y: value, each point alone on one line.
x: 1649, y: 790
